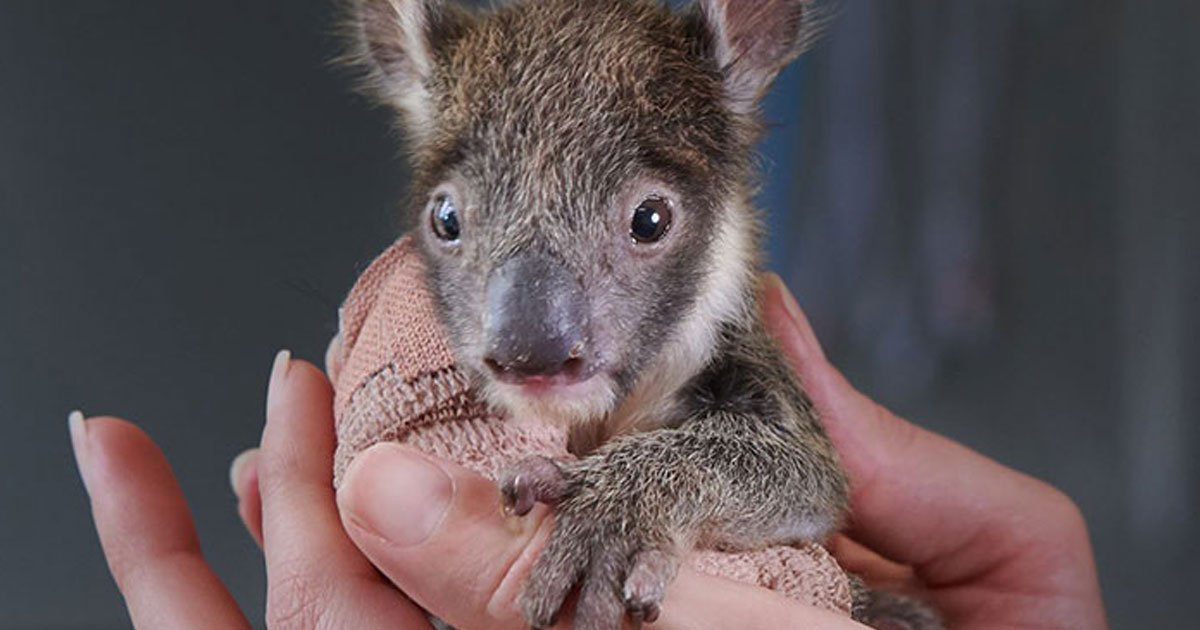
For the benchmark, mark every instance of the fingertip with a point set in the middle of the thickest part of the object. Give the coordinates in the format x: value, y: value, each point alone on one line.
x: 439, y: 533
x: 116, y: 438
x: 835, y: 397
x: 240, y: 471
x: 145, y: 529
x: 291, y: 381
x: 306, y: 373
x: 785, y: 318
x: 396, y: 494
x: 120, y: 455
x: 299, y: 413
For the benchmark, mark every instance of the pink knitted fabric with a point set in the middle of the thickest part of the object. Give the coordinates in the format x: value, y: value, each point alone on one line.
x: 395, y: 380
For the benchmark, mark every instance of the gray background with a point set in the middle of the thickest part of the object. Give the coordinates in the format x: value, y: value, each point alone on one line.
x: 988, y: 209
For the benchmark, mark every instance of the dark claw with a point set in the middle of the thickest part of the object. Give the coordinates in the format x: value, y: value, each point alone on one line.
x: 643, y: 613
x: 532, y: 481
x: 647, y: 584
x: 518, y: 496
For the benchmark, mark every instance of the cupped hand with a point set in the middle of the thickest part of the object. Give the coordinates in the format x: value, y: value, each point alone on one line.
x: 986, y: 545
x: 316, y: 575
x: 435, y: 531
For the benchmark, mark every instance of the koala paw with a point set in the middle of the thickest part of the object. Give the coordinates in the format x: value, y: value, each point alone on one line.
x: 620, y: 563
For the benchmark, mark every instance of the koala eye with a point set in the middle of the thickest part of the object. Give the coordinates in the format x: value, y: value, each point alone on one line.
x: 444, y: 218
x: 651, y: 220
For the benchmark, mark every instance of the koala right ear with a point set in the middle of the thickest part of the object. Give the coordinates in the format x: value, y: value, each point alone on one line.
x: 754, y: 39
x: 397, y: 43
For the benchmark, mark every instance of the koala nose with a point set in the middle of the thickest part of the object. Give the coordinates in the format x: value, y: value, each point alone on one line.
x: 536, y: 320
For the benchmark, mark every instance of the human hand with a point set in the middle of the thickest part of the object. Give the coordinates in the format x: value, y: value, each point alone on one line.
x: 434, y: 529
x: 316, y: 576
x: 986, y: 545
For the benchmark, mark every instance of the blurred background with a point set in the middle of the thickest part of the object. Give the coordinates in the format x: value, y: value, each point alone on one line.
x: 988, y: 208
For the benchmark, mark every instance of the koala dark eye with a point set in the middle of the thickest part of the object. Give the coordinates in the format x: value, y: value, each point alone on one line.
x: 651, y: 220
x: 444, y: 218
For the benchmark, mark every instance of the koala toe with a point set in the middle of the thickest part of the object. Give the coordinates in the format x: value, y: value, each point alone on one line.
x: 558, y: 569
x: 600, y: 606
x: 646, y: 584
x: 531, y: 481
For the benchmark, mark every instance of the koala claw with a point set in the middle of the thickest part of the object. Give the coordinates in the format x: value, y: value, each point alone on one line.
x: 621, y: 572
x: 531, y: 481
x: 647, y: 584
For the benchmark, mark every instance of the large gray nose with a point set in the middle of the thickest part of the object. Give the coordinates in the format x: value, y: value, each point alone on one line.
x: 536, y: 319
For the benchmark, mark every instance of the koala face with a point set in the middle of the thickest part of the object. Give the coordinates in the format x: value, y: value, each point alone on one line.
x: 583, y: 177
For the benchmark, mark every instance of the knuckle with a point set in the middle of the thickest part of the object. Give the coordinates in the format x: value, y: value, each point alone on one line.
x: 278, y: 464
x: 296, y: 600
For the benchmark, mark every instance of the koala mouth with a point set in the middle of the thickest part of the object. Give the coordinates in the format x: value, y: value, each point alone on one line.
x: 571, y: 372
x: 562, y: 398
x: 542, y: 386
x: 573, y: 379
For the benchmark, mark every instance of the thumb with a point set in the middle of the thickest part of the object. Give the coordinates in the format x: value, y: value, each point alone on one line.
x: 439, y: 533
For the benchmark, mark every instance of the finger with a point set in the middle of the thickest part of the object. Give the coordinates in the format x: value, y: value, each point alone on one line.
x: 439, y: 533
x: 878, y: 571
x: 600, y: 604
x: 696, y: 600
x: 146, y: 530
x: 243, y: 476
x: 918, y: 497
x: 316, y: 576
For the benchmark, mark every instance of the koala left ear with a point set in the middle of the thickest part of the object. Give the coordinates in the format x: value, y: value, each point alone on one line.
x: 398, y: 42
x: 754, y: 39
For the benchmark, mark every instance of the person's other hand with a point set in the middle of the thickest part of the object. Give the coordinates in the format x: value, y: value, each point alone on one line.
x: 435, y: 530
x: 316, y: 576
x: 986, y: 545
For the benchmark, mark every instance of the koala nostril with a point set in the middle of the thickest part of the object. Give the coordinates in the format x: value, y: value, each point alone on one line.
x: 573, y: 367
x: 494, y: 365
x: 541, y: 361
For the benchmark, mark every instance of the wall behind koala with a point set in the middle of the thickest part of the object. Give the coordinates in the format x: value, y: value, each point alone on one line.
x: 184, y: 189
x: 986, y: 207
x: 988, y: 210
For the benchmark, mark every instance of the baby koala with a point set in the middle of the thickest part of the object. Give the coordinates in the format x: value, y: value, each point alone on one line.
x: 584, y: 175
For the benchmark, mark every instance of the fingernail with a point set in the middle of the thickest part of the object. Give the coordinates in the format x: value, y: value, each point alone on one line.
x: 78, y: 430
x: 279, y: 371
x: 283, y: 361
x: 396, y: 494
x: 238, y: 466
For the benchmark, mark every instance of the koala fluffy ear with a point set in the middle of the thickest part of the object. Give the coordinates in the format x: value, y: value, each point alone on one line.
x: 754, y: 39
x: 397, y: 43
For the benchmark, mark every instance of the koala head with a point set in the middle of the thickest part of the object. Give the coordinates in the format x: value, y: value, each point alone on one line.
x: 583, y: 171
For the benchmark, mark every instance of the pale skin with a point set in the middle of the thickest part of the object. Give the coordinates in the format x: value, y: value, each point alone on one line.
x: 988, y: 546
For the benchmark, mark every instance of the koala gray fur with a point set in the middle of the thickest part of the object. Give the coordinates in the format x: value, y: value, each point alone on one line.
x: 536, y: 131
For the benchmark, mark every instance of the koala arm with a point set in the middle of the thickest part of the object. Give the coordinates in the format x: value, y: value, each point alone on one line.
x: 746, y: 466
